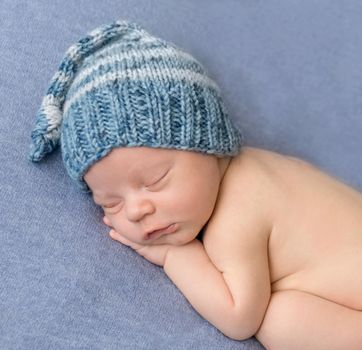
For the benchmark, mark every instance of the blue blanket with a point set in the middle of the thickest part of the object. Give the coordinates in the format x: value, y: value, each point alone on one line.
x: 291, y: 76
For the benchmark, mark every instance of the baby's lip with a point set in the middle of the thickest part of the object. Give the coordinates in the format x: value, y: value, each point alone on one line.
x: 162, y: 231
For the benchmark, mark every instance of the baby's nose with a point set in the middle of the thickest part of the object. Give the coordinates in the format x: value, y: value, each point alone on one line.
x: 136, y: 208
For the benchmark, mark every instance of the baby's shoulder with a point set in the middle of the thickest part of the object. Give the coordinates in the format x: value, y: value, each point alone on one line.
x: 266, y: 177
x: 243, y: 209
x: 251, y: 176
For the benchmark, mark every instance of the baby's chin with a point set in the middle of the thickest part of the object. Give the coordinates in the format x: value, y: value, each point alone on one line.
x: 176, y: 239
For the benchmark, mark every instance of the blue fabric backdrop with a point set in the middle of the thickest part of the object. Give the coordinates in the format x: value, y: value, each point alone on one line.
x: 291, y: 75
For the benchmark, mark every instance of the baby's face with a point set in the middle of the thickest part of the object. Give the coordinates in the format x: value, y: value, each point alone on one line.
x: 142, y: 189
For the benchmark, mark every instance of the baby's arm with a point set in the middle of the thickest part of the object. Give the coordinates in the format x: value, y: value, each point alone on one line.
x: 206, y: 288
x: 226, y: 279
x: 233, y: 300
x: 192, y: 271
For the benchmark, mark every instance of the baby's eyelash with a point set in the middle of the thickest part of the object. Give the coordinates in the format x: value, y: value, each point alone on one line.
x: 158, y: 179
x: 108, y: 206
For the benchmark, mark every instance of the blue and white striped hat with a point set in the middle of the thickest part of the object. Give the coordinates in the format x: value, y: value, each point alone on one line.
x: 121, y: 87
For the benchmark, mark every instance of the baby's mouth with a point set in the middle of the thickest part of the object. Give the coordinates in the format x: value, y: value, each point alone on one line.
x: 163, y: 231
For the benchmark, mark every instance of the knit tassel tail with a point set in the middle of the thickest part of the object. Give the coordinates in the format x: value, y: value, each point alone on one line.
x: 46, y: 134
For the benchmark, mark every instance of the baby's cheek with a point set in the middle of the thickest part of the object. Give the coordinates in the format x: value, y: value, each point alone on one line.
x: 184, y: 204
x: 202, y: 200
x: 178, y: 201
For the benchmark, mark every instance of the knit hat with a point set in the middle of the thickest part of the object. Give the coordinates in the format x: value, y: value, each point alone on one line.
x: 119, y: 86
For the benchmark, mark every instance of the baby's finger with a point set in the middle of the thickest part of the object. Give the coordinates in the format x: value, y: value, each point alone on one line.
x: 118, y: 237
x: 106, y: 221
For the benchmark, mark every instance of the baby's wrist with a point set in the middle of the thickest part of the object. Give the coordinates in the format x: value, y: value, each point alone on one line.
x: 176, y: 249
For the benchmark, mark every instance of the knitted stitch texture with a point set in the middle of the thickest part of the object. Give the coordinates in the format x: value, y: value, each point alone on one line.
x: 119, y: 86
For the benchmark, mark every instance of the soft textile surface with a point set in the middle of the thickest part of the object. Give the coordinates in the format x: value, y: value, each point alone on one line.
x: 291, y: 73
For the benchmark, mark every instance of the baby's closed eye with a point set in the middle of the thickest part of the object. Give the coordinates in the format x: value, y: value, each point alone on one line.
x: 158, y: 180
x: 152, y: 186
x: 108, y: 206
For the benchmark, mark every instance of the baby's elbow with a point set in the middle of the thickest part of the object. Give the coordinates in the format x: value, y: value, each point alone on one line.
x: 240, y: 324
x: 247, y: 321
x: 238, y: 334
x: 240, y: 331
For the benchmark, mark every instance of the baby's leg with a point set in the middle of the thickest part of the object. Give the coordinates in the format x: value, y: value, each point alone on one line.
x: 302, y: 321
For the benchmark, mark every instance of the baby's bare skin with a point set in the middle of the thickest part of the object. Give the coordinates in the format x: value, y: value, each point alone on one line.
x: 300, y: 287
x: 314, y: 252
x: 316, y: 242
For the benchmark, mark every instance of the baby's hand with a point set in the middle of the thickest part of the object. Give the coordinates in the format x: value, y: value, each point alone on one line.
x: 156, y: 254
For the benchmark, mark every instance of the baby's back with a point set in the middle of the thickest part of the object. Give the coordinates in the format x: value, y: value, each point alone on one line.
x: 316, y: 241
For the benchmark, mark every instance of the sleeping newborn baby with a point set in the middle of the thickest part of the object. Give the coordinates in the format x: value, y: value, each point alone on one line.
x: 144, y: 130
